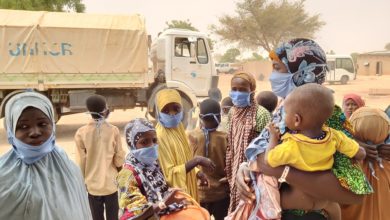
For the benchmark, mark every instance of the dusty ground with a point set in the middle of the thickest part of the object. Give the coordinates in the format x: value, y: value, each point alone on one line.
x: 68, y: 125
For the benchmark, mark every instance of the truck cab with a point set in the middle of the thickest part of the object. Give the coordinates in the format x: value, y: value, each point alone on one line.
x: 341, y: 69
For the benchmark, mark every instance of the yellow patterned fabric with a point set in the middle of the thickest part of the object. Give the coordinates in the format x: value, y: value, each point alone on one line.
x: 131, y: 201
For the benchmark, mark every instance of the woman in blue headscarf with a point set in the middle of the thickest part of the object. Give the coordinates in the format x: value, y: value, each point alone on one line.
x: 37, y: 179
x: 296, y: 63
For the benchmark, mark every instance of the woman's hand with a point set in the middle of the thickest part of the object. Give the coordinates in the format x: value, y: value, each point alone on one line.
x: 371, y: 151
x: 243, y: 181
x: 204, y: 181
x: 384, y: 151
x: 205, y: 162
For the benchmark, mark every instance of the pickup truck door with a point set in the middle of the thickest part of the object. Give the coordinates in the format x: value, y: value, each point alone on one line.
x: 191, y: 64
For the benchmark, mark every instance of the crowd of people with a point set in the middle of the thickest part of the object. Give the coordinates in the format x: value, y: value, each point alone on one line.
x: 289, y: 153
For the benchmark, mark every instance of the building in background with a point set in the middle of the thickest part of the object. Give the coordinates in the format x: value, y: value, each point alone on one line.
x: 374, y: 63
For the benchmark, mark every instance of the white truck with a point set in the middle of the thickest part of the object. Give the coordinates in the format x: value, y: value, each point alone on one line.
x: 341, y: 69
x: 70, y: 56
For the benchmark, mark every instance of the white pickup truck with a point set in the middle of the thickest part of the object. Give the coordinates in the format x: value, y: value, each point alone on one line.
x: 69, y: 56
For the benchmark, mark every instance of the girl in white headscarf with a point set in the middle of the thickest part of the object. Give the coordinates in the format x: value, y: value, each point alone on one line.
x: 37, y: 179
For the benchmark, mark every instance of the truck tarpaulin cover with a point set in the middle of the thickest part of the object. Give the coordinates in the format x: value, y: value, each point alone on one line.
x: 55, y: 42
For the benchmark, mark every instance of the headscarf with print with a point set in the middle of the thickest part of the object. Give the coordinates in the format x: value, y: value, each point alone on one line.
x: 304, y: 58
x: 152, y: 178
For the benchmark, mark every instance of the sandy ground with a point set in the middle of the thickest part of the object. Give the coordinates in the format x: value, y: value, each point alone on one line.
x: 68, y: 125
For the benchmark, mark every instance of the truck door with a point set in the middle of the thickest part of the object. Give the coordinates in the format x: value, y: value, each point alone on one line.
x: 191, y: 64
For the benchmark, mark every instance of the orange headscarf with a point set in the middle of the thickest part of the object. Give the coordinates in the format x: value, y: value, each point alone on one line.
x: 248, y: 77
x: 356, y: 98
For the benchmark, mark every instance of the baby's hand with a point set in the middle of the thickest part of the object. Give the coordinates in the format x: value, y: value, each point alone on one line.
x: 273, y: 130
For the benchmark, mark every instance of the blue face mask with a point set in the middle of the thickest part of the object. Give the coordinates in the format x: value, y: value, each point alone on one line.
x: 282, y: 83
x: 240, y: 99
x: 31, y: 154
x: 282, y: 123
x: 147, y: 155
x: 170, y: 121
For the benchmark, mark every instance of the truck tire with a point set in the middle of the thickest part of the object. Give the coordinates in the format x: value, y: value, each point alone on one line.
x: 344, y: 79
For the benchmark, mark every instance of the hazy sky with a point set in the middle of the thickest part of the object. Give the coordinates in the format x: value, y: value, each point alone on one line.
x: 351, y: 25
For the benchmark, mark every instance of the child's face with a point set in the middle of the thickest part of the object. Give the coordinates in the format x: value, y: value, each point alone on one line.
x: 291, y: 116
x: 209, y: 122
x: 147, y: 139
x: 171, y: 108
x: 33, y: 127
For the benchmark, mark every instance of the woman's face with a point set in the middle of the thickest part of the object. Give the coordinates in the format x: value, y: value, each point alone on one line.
x: 240, y: 85
x: 33, y: 127
x: 350, y: 106
x: 171, y: 108
x: 147, y: 139
x: 279, y: 67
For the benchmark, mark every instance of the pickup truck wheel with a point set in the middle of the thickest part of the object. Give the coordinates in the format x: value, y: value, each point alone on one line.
x: 344, y: 80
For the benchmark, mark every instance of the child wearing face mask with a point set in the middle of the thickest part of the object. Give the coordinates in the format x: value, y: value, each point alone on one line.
x: 208, y: 142
x: 176, y: 157
x: 100, y: 156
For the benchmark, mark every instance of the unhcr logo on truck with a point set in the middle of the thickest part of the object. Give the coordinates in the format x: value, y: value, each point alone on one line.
x: 40, y: 49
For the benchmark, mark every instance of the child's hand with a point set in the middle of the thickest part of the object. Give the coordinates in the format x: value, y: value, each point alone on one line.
x: 204, y: 181
x: 273, y: 131
x: 205, y: 162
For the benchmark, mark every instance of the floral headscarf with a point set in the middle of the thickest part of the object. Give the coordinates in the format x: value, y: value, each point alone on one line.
x: 304, y: 58
x: 134, y: 130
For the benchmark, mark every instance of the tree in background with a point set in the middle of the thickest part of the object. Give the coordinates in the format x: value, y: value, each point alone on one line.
x: 44, y: 5
x: 387, y: 46
x: 180, y: 24
x: 262, y: 23
x: 230, y: 56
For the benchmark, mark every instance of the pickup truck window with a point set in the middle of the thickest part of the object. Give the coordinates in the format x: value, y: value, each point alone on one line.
x: 201, y: 51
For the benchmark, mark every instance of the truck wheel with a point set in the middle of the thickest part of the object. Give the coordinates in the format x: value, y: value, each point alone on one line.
x: 344, y: 80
